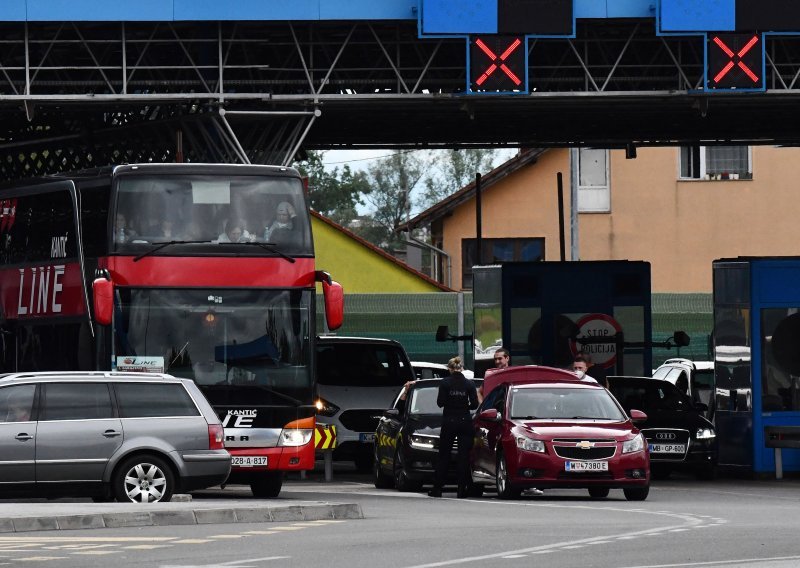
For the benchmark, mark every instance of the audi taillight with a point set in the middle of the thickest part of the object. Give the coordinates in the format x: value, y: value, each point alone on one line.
x: 215, y: 437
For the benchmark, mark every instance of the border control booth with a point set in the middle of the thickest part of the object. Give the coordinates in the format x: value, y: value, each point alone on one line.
x: 544, y: 312
x: 757, y: 363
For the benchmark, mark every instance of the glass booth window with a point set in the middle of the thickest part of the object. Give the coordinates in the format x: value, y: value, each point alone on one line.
x: 211, y: 210
x: 780, y: 374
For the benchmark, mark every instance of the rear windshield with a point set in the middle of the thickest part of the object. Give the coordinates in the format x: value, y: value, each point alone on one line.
x: 564, y: 403
x: 145, y: 400
x: 362, y: 365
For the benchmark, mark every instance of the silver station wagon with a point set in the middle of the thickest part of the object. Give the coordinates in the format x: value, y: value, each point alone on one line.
x: 129, y: 436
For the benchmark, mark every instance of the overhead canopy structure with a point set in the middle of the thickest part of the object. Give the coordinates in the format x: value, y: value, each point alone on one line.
x: 76, y: 93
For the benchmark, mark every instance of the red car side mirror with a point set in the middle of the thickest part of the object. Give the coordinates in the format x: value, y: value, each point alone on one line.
x: 638, y: 416
x: 490, y: 415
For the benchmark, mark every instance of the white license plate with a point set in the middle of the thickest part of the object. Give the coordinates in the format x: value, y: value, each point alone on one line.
x: 586, y: 466
x: 667, y: 448
x: 249, y: 461
x: 366, y: 437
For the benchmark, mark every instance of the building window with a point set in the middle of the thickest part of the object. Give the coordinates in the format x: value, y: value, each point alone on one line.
x: 594, y: 195
x: 716, y: 162
x: 495, y: 251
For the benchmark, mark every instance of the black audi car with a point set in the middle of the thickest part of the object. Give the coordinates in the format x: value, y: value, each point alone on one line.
x: 407, y: 440
x: 678, y: 435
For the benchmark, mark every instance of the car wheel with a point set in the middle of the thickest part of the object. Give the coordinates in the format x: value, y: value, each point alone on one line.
x: 144, y: 479
x: 382, y: 480
x: 266, y: 485
x: 505, y: 489
x: 636, y: 493
x: 401, y: 480
x: 598, y: 492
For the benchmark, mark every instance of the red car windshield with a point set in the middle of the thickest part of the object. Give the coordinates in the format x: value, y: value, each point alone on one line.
x: 563, y: 404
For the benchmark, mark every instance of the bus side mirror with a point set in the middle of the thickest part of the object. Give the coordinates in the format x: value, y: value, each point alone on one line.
x: 103, y: 298
x: 681, y: 339
x: 333, y: 293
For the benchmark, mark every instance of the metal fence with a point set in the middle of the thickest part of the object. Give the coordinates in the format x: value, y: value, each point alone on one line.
x: 412, y: 320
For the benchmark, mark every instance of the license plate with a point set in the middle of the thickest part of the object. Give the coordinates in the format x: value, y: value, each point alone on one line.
x: 586, y: 466
x: 667, y: 448
x: 366, y: 437
x: 249, y: 461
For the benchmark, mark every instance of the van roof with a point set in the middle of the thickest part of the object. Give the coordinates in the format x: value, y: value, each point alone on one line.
x: 352, y: 339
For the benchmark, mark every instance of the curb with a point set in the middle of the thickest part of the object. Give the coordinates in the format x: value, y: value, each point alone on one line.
x: 183, y: 517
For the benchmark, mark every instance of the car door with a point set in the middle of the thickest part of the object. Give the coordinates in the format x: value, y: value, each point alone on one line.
x: 17, y: 437
x: 487, y: 433
x: 77, y: 434
x: 386, y: 433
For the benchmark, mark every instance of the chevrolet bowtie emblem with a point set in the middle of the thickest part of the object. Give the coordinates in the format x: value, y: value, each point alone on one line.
x: 585, y: 445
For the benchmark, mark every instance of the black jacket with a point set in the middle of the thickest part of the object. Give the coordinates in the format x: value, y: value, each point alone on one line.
x: 457, y: 396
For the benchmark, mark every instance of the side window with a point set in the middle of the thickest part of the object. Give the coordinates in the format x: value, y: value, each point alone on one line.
x: 144, y: 400
x: 495, y: 399
x: 16, y: 403
x: 76, y: 401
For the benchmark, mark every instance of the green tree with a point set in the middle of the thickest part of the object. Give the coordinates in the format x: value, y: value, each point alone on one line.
x: 392, y: 181
x: 335, y: 193
x: 452, y: 170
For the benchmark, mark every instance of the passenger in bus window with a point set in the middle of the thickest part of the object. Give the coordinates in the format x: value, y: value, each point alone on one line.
x: 235, y: 232
x: 281, y: 229
x: 122, y: 232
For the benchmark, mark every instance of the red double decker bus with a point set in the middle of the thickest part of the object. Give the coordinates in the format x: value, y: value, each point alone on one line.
x: 199, y: 270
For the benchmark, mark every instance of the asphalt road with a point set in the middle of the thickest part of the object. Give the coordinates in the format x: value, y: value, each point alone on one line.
x: 684, y: 522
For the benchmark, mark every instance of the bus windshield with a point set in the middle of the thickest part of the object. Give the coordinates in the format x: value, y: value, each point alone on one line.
x: 239, y: 346
x: 205, y: 211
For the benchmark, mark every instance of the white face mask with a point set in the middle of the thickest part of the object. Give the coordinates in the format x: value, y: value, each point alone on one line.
x: 581, y: 374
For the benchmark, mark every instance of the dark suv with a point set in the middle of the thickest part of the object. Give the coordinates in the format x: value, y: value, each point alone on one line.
x: 678, y: 435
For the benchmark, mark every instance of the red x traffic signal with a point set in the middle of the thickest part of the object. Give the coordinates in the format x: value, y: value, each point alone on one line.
x: 735, y: 61
x: 497, y: 64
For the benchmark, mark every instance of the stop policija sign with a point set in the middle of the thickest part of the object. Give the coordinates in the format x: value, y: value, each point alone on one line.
x: 598, y: 325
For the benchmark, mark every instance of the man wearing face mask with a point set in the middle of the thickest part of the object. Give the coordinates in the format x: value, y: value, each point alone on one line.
x: 580, y: 366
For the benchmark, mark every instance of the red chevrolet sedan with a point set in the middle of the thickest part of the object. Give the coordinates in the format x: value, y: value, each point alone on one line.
x: 546, y: 428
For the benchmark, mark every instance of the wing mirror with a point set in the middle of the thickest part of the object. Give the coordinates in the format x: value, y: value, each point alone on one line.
x: 103, y: 300
x: 333, y: 296
x: 392, y: 413
x: 490, y: 415
x: 638, y: 416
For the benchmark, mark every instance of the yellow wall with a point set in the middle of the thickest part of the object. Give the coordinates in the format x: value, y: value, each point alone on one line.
x: 358, y: 268
x: 680, y: 227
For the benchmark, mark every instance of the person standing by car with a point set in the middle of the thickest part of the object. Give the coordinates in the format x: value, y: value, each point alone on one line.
x: 595, y: 371
x: 502, y: 358
x: 457, y: 397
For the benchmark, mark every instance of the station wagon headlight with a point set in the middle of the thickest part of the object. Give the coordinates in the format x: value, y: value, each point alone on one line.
x: 634, y: 445
x: 423, y: 442
x: 529, y: 445
x: 705, y: 434
x: 295, y: 437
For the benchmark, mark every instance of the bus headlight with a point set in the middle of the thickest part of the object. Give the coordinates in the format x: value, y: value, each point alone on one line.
x: 634, y: 445
x: 295, y: 437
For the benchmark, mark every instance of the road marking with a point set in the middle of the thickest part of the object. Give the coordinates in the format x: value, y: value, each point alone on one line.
x: 84, y: 539
x: 191, y: 541
x: 149, y: 546
x: 287, y: 528
x: 686, y: 518
x: 227, y: 536
x: 96, y: 552
x: 720, y: 562
x: 515, y: 556
x: 41, y: 558
x: 240, y: 563
x: 261, y: 532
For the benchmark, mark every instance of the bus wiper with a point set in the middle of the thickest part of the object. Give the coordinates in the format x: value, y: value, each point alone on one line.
x: 271, y: 247
x: 160, y: 245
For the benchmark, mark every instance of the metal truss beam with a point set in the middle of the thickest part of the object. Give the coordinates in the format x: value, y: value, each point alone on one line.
x: 89, y: 89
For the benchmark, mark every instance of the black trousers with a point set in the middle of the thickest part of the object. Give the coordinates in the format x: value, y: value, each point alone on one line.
x: 460, y: 429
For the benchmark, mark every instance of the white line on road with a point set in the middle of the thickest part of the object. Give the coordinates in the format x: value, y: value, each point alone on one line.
x: 731, y: 562
x: 239, y: 563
